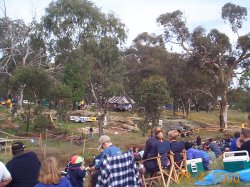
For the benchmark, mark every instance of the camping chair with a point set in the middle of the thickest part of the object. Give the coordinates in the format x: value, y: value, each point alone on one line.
x: 163, y: 167
x: 181, y: 166
x: 156, y: 176
x: 171, y: 172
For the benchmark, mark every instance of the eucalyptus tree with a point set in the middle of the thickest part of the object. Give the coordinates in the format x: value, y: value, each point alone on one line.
x: 214, y: 49
x: 146, y: 57
x: 36, y: 83
x: 20, y: 44
x: 152, y: 94
x: 77, y: 28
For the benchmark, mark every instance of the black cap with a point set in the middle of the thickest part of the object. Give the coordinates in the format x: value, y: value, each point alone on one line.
x: 17, y: 146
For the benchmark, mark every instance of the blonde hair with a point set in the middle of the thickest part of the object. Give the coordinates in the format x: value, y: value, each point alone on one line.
x: 172, y: 135
x: 49, y: 172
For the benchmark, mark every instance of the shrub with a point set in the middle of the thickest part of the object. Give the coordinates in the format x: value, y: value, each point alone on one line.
x: 41, y: 122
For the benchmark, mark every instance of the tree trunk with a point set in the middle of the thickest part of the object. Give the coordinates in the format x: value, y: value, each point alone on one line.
x: 189, y: 105
x: 99, y: 109
x: 174, y: 106
x: 28, y: 119
x: 100, y: 123
x: 183, y: 108
x: 223, y: 112
x: 20, y: 96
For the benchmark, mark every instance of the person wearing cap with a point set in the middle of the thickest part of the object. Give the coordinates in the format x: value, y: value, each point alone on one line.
x: 108, y: 149
x: 5, y: 176
x: 24, y: 167
x: 76, y: 171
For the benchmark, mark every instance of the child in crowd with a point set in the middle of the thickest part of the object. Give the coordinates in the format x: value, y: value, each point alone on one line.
x: 49, y: 175
x: 76, y: 171
x: 210, y: 154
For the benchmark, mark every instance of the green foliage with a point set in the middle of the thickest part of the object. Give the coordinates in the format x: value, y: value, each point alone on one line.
x: 87, y: 42
x: 151, y: 94
x: 245, y: 80
x: 41, y: 123
x: 76, y: 75
x: 58, y: 92
x: 38, y: 109
x: 35, y: 80
x: 145, y: 58
x: 244, y: 102
x: 174, y: 24
x: 235, y: 14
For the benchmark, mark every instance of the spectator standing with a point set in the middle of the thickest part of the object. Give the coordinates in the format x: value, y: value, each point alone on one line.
x: 91, y: 133
x: 5, y: 176
x: 49, y: 175
x: 76, y: 171
x: 23, y: 167
x: 108, y: 149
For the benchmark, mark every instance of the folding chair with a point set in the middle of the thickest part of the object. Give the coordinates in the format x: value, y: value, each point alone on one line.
x: 164, y: 168
x: 156, y: 176
x: 170, y: 172
x: 180, y: 167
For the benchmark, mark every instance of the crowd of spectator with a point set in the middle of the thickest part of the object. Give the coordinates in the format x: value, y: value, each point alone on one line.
x: 25, y: 169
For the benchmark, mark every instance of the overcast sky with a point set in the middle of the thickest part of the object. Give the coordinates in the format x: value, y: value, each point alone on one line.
x: 140, y: 15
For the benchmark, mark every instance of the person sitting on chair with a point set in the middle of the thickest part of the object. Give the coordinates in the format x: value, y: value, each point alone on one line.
x: 151, y: 149
x: 195, y: 153
x: 177, y: 147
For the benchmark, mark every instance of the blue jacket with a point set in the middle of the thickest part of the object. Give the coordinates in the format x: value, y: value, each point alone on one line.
x: 63, y: 183
x: 110, y: 151
x: 233, y: 146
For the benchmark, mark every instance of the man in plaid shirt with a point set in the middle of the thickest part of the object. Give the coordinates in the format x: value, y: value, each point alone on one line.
x: 119, y: 171
x: 110, y: 150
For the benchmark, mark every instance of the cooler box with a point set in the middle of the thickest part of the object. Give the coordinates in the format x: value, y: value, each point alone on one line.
x: 195, y: 166
x: 235, y: 163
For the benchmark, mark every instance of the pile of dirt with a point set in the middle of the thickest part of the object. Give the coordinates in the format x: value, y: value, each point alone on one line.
x: 83, y: 113
x: 6, y: 122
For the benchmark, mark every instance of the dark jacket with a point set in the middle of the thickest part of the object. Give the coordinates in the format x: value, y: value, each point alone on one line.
x: 177, y: 148
x: 76, y: 175
x: 150, y: 151
x: 24, y: 170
